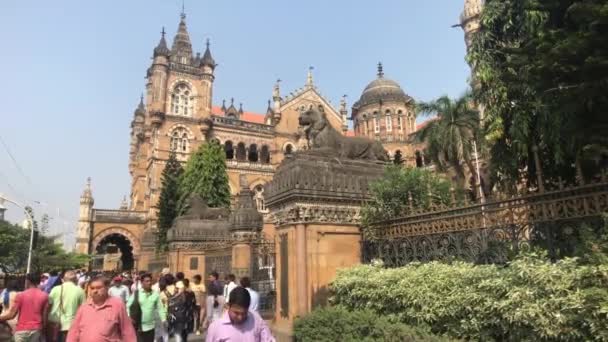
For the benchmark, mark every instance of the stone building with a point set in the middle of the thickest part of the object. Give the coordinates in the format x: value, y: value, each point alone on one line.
x: 178, y: 114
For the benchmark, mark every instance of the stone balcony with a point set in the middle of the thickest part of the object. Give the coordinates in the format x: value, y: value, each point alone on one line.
x: 119, y: 216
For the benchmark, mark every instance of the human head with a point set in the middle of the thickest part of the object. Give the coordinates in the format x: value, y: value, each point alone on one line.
x: 116, y: 281
x: 186, y: 283
x: 245, y: 282
x: 179, y: 276
x: 69, y: 276
x: 170, y: 279
x: 98, y: 288
x: 231, y: 277
x: 197, y: 279
x: 213, y: 276
x: 162, y: 284
x: 238, y: 305
x: 146, y: 281
x: 32, y: 279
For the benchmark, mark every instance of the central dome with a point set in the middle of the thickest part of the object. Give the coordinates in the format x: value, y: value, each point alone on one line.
x: 381, y: 89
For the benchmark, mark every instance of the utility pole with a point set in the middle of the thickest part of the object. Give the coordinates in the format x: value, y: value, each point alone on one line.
x: 30, y: 220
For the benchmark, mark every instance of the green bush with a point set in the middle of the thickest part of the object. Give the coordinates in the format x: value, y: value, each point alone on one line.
x: 532, y: 299
x: 339, y: 324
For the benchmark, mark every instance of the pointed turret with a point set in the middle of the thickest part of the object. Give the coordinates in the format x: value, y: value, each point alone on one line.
x: 87, y: 195
x: 207, y: 58
x: 232, y: 112
x: 141, y: 108
x: 161, y: 49
x: 309, y: 81
x: 83, y: 234
x: 181, y: 51
x: 124, y: 205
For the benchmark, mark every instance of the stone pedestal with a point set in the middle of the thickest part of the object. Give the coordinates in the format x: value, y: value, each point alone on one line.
x: 315, y: 203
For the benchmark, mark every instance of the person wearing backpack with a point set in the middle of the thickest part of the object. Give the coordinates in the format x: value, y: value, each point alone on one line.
x: 177, y: 315
x: 144, y: 306
x: 64, y: 301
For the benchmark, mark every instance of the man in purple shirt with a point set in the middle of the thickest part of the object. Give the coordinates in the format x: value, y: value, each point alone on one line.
x: 238, y: 323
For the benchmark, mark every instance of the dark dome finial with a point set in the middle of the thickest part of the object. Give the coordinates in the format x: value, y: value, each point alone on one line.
x: 380, y: 71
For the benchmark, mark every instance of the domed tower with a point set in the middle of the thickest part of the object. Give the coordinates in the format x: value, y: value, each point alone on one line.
x: 384, y: 111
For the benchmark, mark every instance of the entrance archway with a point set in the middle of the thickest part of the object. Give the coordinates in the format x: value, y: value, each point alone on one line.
x: 117, y: 243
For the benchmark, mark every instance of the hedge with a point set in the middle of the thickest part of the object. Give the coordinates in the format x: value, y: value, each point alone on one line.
x: 339, y: 324
x: 531, y: 299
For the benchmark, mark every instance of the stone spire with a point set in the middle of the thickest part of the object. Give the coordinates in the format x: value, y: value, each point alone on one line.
x: 207, y: 58
x: 141, y: 108
x: 182, y: 48
x: 124, y: 205
x: 161, y: 49
x: 87, y: 194
x: 309, y: 81
x: 344, y: 113
x: 380, y: 70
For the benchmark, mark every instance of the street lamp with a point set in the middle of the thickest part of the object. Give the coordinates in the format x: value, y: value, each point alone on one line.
x: 31, y: 224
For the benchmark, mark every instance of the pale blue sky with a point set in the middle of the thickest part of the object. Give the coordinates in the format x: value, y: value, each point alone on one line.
x: 73, y: 72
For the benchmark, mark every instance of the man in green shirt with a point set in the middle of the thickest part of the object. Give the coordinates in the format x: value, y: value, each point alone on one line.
x: 64, y: 301
x: 145, y: 310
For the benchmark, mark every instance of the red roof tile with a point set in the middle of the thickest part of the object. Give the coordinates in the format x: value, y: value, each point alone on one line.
x: 247, y: 116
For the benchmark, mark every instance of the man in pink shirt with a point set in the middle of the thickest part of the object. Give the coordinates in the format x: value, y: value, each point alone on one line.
x: 31, y: 305
x: 101, y: 318
x: 238, y: 323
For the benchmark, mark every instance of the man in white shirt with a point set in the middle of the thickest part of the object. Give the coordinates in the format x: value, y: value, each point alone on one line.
x: 230, y: 285
x: 255, y: 297
x: 119, y: 290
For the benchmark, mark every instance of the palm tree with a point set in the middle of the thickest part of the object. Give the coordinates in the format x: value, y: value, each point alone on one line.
x: 449, y: 136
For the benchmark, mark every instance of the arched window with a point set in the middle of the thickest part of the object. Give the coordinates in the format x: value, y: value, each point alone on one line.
x: 265, y: 154
x: 288, y: 149
x: 181, y: 100
x: 241, y: 152
x: 259, y: 198
x: 179, y: 140
x: 389, y: 121
x: 253, y: 153
x: 376, y: 123
x: 400, y: 120
x: 229, y: 150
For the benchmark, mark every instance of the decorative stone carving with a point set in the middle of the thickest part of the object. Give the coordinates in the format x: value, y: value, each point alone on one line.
x: 323, y: 139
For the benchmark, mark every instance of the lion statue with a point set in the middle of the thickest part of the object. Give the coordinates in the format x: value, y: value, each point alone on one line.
x: 325, y: 140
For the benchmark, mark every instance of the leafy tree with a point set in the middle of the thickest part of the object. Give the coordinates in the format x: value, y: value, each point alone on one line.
x: 168, y: 200
x: 205, y: 174
x: 390, y: 195
x: 45, y: 223
x: 48, y: 255
x: 398, y: 158
x: 449, y: 137
x: 541, y: 71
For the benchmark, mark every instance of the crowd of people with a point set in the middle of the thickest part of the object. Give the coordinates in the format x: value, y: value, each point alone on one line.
x: 78, y: 306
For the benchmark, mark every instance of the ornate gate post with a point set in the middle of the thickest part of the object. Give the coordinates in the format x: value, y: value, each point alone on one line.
x: 315, y: 203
